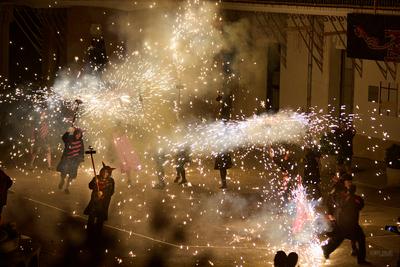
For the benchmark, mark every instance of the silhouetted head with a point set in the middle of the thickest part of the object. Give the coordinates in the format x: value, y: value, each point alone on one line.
x: 352, y: 189
x: 292, y: 259
x: 280, y: 259
x: 347, y: 180
x: 219, y: 96
x: 346, y: 176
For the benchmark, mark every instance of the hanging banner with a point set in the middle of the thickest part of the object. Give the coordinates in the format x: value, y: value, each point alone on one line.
x: 375, y: 37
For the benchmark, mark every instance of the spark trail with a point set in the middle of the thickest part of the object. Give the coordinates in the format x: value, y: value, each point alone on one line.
x: 283, y: 127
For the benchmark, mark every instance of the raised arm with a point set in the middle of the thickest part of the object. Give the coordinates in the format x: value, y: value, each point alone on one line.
x: 65, y: 137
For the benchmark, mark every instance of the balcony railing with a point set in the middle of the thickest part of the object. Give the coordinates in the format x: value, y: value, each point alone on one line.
x: 365, y: 4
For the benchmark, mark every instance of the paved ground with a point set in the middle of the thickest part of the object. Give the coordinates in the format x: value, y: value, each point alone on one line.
x: 191, y: 226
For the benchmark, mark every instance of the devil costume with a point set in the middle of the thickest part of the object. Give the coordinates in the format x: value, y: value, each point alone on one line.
x: 102, y: 189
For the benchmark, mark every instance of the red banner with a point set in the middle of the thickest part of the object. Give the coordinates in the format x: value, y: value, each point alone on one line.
x: 375, y: 37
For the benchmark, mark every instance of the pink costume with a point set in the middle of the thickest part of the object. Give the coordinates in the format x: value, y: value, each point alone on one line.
x: 126, y: 155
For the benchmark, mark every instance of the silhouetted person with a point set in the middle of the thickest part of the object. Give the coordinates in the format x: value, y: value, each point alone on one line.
x: 72, y: 156
x: 102, y: 187
x: 126, y: 154
x: 312, y: 177
x: 97, y: 54
x: 160, y: 160
x: 182, y: 157
x: 292, y: 259
x: 280, y: 259
x: 347, y: 212
x: 345, y: 140
x: 41, y: 141
x: 341, y: 182
x: 223, y: 162
x: 224, y: 112
x: 5, y: 184
x: 284, y: 159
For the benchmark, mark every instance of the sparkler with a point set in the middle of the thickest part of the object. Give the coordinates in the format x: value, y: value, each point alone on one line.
x: 286, y: 126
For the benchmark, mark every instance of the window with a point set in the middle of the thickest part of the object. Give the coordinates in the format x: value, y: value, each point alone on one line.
x: 388, y: 100
x: 373, y: 93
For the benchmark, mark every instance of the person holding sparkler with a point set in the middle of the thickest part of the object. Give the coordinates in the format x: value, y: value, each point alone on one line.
x: 40, y: 141
x: 127, y: 157
x: 312, y: 177
x: 71, y: 157
x: 347, y: 213
x: 338, y: 187
x: 102, y: 187
x: 223, y: 160
x: 182, y: 157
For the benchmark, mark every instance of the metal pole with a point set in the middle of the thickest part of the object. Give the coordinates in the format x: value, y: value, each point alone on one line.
x: 94, y: 168
x: 310, y: 65
x: 95, y: 176
x: 91, y: 151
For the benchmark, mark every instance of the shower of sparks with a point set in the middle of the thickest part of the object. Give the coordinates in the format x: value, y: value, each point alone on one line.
x: 306, y: 226
x: 264, y: 130
x: 195, y: 38
x: 138, y: 97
